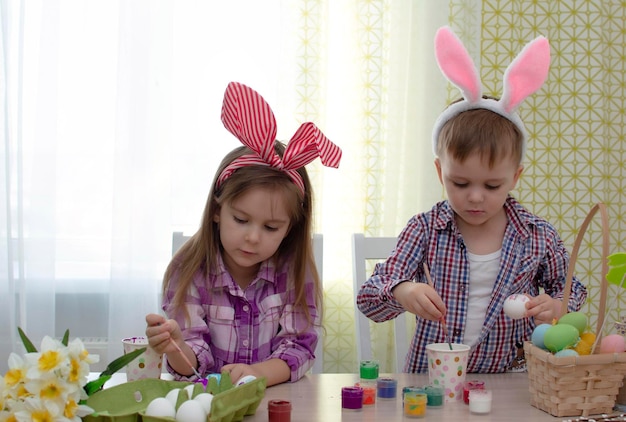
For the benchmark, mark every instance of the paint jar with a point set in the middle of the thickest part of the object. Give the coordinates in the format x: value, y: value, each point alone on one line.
x: 471, y: 385
x: 352, y: 398
x: 435, y: 396
x: 411, y: 388
x: 480, y: 401
x: 414, y: 402
x: 368, y: 371
x: 279, y: 411
x: 386, y: 388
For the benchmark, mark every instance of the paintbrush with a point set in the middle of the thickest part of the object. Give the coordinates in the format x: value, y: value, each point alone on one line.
x: 444, y: 326
x: 193, y: 368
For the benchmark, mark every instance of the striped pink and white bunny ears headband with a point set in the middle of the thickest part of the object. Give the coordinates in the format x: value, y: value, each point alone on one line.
x: 248, y: 116
x: 524, y: 76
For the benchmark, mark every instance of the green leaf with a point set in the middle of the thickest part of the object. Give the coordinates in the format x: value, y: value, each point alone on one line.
x: 122, y: 361
x: 617, y: 269
x: 30, y: 348
x: 66, y: 338
x: 96, y: 385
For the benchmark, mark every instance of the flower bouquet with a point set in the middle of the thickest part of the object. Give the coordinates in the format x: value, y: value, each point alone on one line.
x: 51, y: 384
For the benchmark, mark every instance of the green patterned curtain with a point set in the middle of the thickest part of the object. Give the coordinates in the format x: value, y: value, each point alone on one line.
x: 575, y: 122
x: 365, y: 70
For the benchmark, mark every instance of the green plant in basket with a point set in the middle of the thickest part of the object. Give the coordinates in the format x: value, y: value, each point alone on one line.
x: 51, y: 384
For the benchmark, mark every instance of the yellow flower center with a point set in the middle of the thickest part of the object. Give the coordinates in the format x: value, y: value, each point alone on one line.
x: 84, y: 354
x: 49, y: 360
x: 11, y: 418
x: 13, y: 376
x: 74, y: 370
x: 41, y: 416
x: 50, y: 391
x: 23, y: 392
x: 70, y: 409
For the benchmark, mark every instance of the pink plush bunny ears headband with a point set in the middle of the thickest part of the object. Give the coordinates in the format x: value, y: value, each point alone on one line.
x: 524, y: 76
x: 247, y: 116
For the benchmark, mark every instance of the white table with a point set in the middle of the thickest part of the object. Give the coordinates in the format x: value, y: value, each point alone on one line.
x: 317, y: 397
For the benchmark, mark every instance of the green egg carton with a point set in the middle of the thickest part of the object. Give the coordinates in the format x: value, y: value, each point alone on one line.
x: 128, y: 402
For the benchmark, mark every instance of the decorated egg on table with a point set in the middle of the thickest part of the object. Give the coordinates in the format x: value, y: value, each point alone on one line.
x: 613, y: 343
x: 560, y: 336
x: 538, y: 334
x: 515, y: 306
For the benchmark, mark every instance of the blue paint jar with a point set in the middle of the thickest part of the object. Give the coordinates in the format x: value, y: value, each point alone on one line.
x: 386, y: 388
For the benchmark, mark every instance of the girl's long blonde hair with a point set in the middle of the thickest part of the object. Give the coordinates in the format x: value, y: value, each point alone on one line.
x: 200, y: 251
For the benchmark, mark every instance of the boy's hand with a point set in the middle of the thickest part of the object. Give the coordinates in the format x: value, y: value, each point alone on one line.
x: 420, y: 299
x: 543, y: 308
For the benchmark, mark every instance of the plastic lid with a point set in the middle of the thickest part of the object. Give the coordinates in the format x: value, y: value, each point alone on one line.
x: 279, y: 405
x: 369, y: 369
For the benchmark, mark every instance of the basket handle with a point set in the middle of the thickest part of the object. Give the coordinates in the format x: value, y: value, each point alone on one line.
x: 605, y: 266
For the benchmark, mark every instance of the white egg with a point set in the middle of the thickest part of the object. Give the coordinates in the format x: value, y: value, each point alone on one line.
x: 205, y: 400
x: 245, y: 379
x: 172, y: 396
x: 515, y: 306
x: 191, y: 411
x: 189, y: 390
x: 160, y: 407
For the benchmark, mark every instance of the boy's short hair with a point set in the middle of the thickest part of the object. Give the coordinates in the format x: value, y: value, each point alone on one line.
x: 481, y: 131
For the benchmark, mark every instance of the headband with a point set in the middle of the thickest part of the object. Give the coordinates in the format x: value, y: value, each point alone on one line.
x: 248, y: 116
x: 524, y: 76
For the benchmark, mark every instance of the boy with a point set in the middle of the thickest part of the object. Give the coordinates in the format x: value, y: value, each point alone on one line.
x: 480, y: 244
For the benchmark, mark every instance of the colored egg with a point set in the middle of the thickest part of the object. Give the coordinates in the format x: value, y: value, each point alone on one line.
x: 613, y: 343
x: 560, y: 336
x: 538, y: 334
x: 565, y: 353
x: 585, y: 344
x: 577, y: 319
x: 515, y: 306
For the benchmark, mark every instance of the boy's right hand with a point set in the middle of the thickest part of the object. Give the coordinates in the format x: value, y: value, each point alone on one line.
x: 420, y: 299
x: 160, y: 331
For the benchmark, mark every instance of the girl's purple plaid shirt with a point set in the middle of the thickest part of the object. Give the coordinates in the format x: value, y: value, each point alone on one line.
x: 231, y: 325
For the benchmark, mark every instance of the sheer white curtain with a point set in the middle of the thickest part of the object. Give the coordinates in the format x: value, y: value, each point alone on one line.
x: 111, y: 134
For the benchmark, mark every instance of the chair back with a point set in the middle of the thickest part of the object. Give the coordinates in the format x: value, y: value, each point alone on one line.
x: 178, y: 239
x: 374, y: 248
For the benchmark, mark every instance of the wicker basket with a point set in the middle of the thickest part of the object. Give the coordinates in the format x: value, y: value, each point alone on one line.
x: 578, y: 385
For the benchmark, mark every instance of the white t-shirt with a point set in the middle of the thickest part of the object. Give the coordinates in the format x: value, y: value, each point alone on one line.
x: 483, y: 273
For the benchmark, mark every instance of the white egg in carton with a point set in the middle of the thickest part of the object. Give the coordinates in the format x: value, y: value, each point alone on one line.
x: 181, y: 404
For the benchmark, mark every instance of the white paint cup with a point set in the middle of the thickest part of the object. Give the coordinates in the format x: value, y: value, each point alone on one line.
x: 149, y: 364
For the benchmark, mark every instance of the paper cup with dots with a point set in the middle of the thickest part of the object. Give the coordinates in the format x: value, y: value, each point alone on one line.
x: 446, y: 368
x: 146, y: 365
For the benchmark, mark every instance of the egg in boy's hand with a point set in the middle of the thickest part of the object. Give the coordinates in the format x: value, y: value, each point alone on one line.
x: 515, y: 306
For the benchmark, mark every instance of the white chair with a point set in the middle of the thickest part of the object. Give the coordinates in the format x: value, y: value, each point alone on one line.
x: 374, y: 248
x: 178, y: 239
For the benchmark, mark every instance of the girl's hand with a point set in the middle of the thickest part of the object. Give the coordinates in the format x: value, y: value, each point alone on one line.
x: 543, y: 308
x: 420, y: 299
x: 238, y: 370
x: 159, y: 332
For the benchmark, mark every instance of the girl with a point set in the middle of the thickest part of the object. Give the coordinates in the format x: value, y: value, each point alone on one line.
x: 243, y: 294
